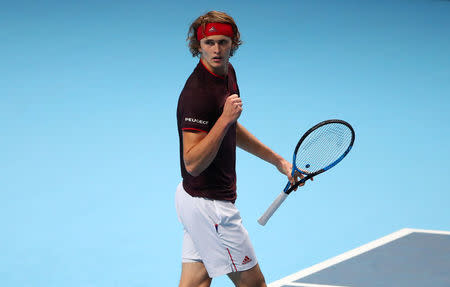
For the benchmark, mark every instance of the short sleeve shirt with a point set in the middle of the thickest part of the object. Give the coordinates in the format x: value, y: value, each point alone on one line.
x: 199, y: 106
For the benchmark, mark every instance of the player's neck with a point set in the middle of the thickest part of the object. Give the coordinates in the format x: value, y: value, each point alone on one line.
x: 220, y: 72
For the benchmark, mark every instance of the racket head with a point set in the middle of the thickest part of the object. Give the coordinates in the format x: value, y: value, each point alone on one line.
x: 322, y: 147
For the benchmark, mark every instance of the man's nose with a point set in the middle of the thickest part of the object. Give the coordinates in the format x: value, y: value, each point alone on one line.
x: 216, y: 47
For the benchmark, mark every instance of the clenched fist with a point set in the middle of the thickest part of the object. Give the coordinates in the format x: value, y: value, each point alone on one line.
x: 232, y: 109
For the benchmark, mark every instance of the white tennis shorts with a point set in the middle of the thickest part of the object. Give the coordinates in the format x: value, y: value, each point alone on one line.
x: 213, y: 234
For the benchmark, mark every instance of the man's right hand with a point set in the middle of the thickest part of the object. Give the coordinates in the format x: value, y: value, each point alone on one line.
x: 232, y: 109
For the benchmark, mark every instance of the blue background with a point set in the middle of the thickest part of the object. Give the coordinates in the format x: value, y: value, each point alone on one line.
x: 89, y: 150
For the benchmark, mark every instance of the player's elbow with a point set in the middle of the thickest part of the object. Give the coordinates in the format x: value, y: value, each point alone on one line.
x: 192, y: 169
x: 193, y: 172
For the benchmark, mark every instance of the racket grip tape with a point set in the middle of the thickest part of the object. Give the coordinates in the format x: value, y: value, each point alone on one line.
x: 272, y: 208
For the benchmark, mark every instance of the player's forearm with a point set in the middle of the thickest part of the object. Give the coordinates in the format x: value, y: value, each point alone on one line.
x: 248, y: 142
x: 200, y: 156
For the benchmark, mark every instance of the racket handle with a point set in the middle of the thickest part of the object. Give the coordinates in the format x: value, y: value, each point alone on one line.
x: 294, y: 186
x: 272, y: 208
x: 303, y: 180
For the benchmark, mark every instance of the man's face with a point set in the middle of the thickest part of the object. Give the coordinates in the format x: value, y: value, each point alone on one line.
x: 215, y: 52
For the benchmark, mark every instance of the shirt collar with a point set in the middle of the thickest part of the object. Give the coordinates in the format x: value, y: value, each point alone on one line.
x: 210, y: 72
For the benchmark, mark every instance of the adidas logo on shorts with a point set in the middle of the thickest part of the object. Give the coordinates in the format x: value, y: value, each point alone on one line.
x: 246, y: 260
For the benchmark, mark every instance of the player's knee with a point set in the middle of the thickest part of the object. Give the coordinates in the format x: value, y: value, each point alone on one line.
x: 253, y: 283
x: 258, y: 277
x: 195, y: 283
x: 251, y: 278
x: 194, y: 274
x: 260, y: 282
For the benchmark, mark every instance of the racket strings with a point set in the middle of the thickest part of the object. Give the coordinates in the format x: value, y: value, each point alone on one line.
x: 322, y: 147
x: 330, y: 146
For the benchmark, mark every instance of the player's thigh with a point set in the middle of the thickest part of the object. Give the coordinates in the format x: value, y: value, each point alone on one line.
x: 193, y: 274
x: 252, y: 277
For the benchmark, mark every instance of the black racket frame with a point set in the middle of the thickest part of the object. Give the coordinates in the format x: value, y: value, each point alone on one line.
x: 309, y: 175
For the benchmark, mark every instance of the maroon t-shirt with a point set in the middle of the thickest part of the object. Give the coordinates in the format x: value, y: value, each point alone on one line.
x: 199, y: 106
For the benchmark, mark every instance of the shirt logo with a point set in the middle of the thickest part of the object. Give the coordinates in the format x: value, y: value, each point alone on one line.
x: 202, y: 122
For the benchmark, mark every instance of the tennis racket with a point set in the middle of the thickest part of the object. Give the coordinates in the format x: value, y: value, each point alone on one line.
x: 319, y: 149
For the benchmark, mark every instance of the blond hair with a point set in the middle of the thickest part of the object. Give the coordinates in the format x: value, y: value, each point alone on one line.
x: 212, y: 17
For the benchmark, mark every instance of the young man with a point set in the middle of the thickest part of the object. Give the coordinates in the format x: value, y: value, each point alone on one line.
x: 215, y: 241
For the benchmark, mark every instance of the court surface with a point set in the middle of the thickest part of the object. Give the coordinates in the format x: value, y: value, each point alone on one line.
x: 406, y: 258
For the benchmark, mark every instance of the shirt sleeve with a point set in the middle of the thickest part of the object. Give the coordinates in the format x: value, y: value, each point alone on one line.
x: 196, y: 113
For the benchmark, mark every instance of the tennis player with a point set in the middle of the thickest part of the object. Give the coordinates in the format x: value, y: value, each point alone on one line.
x: 215, y: 242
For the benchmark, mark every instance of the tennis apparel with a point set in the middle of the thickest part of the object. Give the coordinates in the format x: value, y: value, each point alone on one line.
x: 199, y: 106
x: 213, y: 234
x: 213, y: 230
